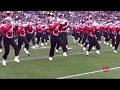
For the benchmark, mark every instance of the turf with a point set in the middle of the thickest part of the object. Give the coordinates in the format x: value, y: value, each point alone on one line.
x: 37, y: 65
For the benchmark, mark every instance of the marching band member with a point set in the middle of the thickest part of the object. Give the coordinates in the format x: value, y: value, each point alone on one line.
x: 55, y: 38
x: 38, y: 34
x: 63, y: 34
x: 44, y: 29
x: 117, y: 37
x: 21, y: 38
x: 8, y: 39
x: 92, y: 40
x: 0, y: 40
x: 30, y: 35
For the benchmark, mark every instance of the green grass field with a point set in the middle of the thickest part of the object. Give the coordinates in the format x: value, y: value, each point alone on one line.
x: 37, y: 65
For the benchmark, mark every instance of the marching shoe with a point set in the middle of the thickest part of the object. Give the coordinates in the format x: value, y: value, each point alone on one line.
x: 105, y: 43
x: 72, y: 36
x: 33, y: 47
x: 46, y: 43
x: 115, y: 51
x: 56, y: 50
x: 74, y: 40
x: 113, y: 48
x: 0, y: 50
x: 84, y: 49
x: 16, y: 59
x: 88, y: 45
x: 27, y: 53
x: 48, y: 40
x: 81, y: 45
x: 22, y: 46
x: 4, y: 62
x: 98, y: 52
x: 25, y: 49
x: 42, y: 44
x: 110, y: 45
x: 87, y: 53
x: 36, y: 45
x: 66, y: 46
x: 99, y: 42
x: 93, y: 48
x: 65, y: 54
x: 50, y: 58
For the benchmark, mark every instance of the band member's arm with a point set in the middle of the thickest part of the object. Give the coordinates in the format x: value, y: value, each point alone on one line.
x: 52, y: 27
x: 6, y: 28
x: 65, y: 27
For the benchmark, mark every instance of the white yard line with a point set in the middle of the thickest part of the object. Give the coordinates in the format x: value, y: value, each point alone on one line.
x: 87, y: 73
